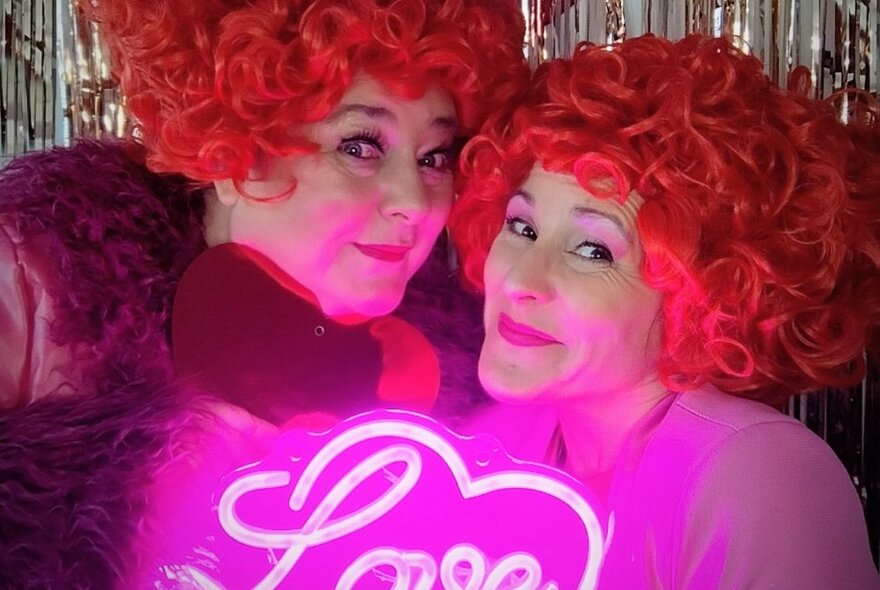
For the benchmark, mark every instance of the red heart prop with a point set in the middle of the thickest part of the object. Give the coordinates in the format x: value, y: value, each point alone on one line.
x: 246, y: 332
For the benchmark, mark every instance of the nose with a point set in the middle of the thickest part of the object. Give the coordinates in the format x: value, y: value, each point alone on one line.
x: 530, y: 278
x: 405, y: 196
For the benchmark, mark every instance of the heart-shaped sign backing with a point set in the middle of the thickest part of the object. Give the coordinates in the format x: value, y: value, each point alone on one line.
x: 392, y: 499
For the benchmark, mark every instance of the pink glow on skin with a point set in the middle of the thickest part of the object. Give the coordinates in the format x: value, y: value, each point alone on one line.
x: 386, y: 252
x: 394, y: 496
x: 522, y: 335
x: 366, y: 208
x: 569, y: 318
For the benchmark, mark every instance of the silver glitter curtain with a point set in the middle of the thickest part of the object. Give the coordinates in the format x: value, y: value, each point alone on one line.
x: 54, y: 78
x: 55, y: 81
x: 836, y: 39
x: 27, y: 75
x: 55, y: 84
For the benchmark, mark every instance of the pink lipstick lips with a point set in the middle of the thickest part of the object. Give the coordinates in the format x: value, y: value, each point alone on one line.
x: 384, y: 252
x: 522, y: 335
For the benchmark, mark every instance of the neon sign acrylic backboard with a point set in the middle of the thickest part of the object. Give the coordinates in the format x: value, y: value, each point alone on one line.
x: 393, y: 500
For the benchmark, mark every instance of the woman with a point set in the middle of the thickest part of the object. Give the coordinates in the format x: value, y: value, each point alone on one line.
x: 315, y: 136
x: 253, y: 103
x: 668, y: 237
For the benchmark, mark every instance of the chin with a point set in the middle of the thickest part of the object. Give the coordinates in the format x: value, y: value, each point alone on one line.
x: 507, y: 387
x: 507, y: 396
x: 378, y: 306
x: 368, y: 300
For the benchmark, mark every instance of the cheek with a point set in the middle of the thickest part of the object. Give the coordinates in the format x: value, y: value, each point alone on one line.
x: 435, y: 219
x: 443, y: 200
x: 494, y: 269
x: 328, y: 197
x: 615, y: 330
x: 327, y: 226
x: 443, y: 210
x: 433, y: 223
x: 652, y: 324
x: 599, y: 324
x: 642, y: 308
x: 341, y: 211
x: 257, y: 226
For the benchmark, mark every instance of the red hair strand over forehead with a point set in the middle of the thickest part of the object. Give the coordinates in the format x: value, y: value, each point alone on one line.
x: 761, y: 221
x: 217, y: 85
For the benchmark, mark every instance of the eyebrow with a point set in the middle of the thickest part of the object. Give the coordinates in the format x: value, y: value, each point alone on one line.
x: 582, y: 212
x: 381, y: 113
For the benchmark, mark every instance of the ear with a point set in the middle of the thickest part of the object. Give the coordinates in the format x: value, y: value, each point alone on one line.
x: 226, y: 192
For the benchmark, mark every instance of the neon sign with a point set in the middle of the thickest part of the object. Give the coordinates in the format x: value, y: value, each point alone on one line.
x: 393, y: 500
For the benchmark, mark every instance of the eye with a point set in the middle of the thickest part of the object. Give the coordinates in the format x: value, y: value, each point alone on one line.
x: 518, y: 226
x: 439, y: 159
x: 364, y: 146
x: 593, y: 251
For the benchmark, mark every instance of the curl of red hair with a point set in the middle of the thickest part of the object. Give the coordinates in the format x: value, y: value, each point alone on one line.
x: 217, y: 86
x: 761, y: 221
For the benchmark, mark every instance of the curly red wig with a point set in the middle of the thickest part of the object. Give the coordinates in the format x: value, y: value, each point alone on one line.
x: 761, y: 221
x: 218, y: 85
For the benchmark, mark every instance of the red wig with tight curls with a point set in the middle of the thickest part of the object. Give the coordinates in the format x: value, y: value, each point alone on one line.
x: 217, y: 86
x: 761, y: 218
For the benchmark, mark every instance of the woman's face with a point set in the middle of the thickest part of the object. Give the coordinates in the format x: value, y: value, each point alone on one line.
x: 568, y: 316
x: 367, y: 206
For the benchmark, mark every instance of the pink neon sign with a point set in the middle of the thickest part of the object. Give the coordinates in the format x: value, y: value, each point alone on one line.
x: 393, y: 500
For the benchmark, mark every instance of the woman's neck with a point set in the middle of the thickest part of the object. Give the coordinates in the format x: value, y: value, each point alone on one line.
x: 215, y: 224
x: 594, y: 430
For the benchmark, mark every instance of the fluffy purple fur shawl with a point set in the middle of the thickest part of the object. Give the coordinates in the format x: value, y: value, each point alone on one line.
x: 73, y: 470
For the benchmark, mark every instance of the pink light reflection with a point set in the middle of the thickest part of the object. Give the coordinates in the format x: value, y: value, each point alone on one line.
x: 393, y: 500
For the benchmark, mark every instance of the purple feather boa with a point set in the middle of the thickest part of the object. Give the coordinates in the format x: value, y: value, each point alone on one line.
x: 120, y: 237
x: 74, y: 470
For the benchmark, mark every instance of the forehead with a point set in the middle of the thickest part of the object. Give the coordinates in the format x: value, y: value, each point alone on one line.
x: 368, y: 97
x: 562, y: 190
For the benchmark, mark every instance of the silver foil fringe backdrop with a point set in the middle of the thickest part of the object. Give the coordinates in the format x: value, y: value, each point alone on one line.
x: 55, y: 85
x: 28, y: 108
x: 837, y: 40
x: 55, y: 81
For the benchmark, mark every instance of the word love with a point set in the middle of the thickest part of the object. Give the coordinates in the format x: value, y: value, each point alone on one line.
x: 418, y: 570
x: 392, y: 500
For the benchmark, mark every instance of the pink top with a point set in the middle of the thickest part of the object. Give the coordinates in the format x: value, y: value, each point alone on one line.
x: 715, y: 491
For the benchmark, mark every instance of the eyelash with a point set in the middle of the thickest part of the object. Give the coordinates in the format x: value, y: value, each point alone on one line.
x: 509, y: 223
x: 606, y: 256
x: 605, y: 252
x: 375, y: 139
x: 369, y: 136
x: 447, y: 152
